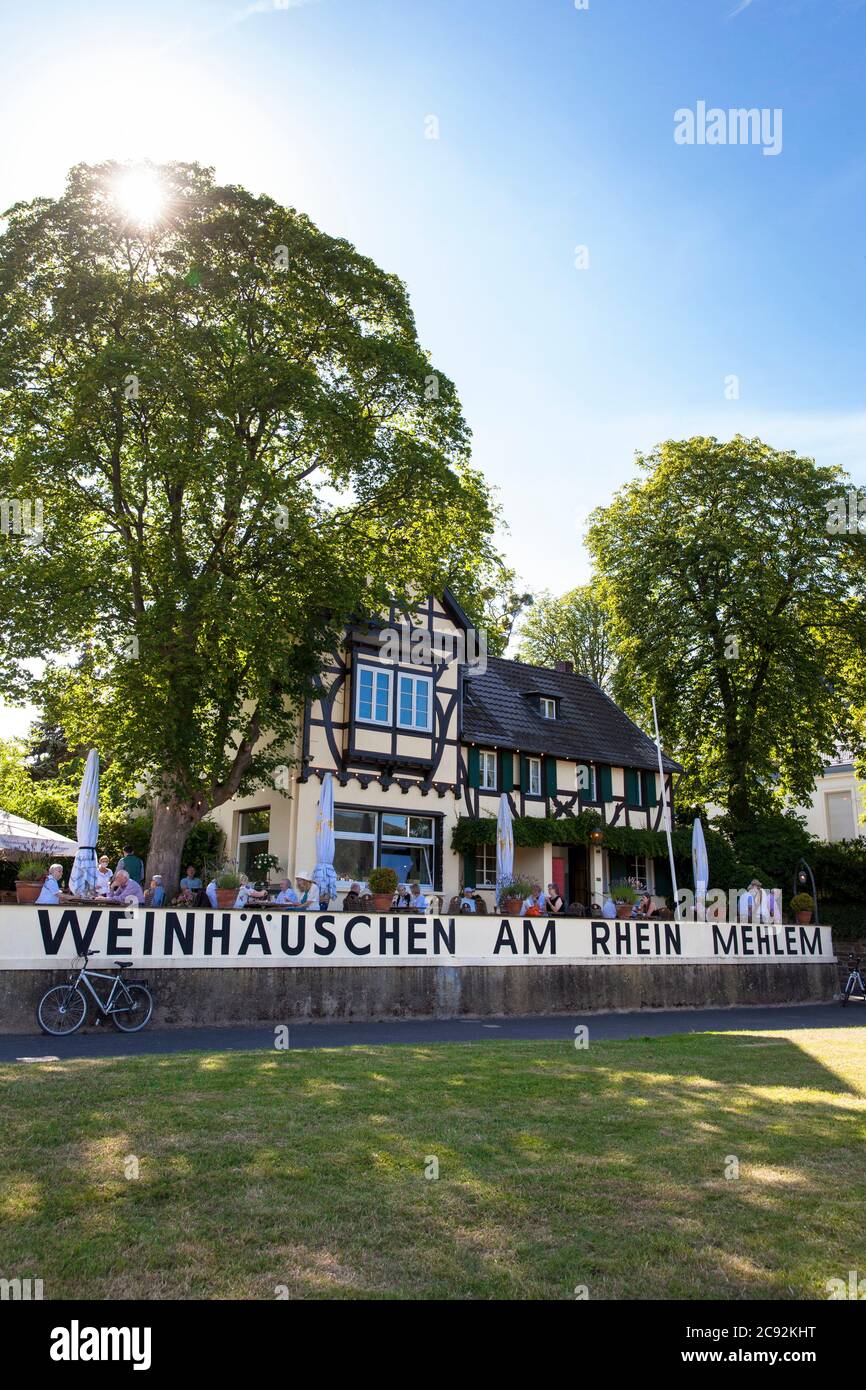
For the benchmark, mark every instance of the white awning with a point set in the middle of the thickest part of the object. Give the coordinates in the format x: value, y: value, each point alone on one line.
x: 19, y: 836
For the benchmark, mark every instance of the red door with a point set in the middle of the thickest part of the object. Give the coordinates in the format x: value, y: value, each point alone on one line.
x: 559, y: 876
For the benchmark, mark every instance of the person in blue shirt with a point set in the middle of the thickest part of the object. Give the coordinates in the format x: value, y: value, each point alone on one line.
x: 155, y: 895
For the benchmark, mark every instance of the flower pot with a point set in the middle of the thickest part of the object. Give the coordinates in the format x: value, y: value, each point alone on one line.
x: 804, y: 918
x: 624, y: 909
x: 226, y: 897
x: 511, y: 906
x: 27, y: 892
x: 383, y: 902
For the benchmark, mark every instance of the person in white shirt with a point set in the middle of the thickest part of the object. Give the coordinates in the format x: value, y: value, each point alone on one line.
x: 104, y: 876
x: 608, y: 907
x: 417, y: 902
x: 287, y: 897
x: 249, y: 893
x: 210, y: 893
x: 50, y: 894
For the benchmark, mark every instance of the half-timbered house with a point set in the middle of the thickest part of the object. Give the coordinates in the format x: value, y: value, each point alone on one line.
x: 419, y: 734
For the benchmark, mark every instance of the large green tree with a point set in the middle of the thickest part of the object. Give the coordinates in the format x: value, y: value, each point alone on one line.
x: 237, y: 441
x: 572, y: 627
x: 737, y: 602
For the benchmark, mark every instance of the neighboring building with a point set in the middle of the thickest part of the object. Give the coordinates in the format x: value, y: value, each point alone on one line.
x: 837, y: 809
x: 414, y: 746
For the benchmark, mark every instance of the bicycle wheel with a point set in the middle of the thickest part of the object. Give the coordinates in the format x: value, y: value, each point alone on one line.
x: 62, y: 1010
x: 846, y: 993
x: 137, y: 1011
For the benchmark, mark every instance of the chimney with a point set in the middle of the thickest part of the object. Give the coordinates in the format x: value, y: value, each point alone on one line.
x: 566, y: 667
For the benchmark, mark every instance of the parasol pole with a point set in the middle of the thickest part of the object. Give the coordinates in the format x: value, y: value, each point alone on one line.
x: 666, y: 813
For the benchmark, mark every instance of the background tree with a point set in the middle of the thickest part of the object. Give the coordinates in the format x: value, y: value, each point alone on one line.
x: 237, y: 441
x: 732, y: 602
x: 574, y: 627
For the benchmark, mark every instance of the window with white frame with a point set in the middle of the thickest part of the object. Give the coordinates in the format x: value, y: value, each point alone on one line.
x: 585, y: 780
x: 373, y: 699
x: 355, y: 837
x: 487, y: 771
x: 485, y: 866
x: 638, y: 869
x: 548, y: 707
x: 254, y: 833
x: 414, y: 702
x: 364, y: 839
x: 533, y: 776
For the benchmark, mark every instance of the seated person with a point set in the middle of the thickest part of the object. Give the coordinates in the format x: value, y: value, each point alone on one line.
x: 533, y: 906
x: 287, y: 897
x: 402, y: 897
x: 124, y: 889
x: 608, y: 907
x: 480, y: 904
x: 250, y: 893
x: 552, y: 901
x: 417, y: 901
x: 211, y: 893
x: 155, y: 895
x: 308, y: 891
x: 356, y: 900
x: 190, y: 886
x: 103, y: 876
x: 464, y: 901
x: 49, y: 893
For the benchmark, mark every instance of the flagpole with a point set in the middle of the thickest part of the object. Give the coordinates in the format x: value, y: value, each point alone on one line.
x: 666, y: 812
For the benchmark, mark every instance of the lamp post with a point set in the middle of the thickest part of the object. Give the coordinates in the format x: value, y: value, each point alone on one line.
x: 804, y: 880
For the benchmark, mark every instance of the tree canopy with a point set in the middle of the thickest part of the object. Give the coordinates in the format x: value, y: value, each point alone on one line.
x: 572, y: 627
x: 736, y: 603
x: 237, y: 441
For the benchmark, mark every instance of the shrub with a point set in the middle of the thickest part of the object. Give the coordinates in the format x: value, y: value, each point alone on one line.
x: 516, y: 888
x: 32, y: 870
x: 802, y: 902
x: 383, y: 881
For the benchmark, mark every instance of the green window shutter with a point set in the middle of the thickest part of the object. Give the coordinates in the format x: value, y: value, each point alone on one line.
x: 585, y: 772
x: 550, y: 775
x: 652, y: 798
x: 617, y: 868
x: 524, y: 773
x: 506, y: 771
x: 662, y: 869
x: 469, y: 869
x: 474, y: 767
x: 632, y: 786
x: 605, y: 780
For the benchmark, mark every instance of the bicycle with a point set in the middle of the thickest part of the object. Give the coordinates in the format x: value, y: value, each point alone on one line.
x: 854, y: 984
x: 62, y: 1010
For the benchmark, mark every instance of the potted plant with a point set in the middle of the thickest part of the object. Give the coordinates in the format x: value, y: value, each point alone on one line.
x: 512, y: 896
x: 227, y: 884
x: 625, y: 895
x: 31, y: 876
x: 263, y: 865
x: 801, y: 906
x: 383, y: 886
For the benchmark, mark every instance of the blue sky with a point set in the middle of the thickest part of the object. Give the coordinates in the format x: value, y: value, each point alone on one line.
x: 555, y: 130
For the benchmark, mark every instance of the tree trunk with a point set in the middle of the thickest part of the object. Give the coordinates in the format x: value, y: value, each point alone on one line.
x: 171, y: 825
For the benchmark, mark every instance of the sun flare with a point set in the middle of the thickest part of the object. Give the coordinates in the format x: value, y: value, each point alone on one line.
x: 141, y: 196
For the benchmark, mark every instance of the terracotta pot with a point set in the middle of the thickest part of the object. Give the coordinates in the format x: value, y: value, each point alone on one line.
x: 624, y: 909
x: 804, y: 918
x: 383, y: 902
x: 27, y: 892
x: 226, y: 897
x: 511, y: 906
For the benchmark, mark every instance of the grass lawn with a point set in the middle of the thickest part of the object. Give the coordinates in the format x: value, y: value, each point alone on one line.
x: 557, y: 1168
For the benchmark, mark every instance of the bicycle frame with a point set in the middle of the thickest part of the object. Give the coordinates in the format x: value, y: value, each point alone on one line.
x: 117, y: 986
x: 854, y: 979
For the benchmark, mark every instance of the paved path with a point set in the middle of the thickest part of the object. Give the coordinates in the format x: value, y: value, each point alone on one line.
x: 105, y: 1042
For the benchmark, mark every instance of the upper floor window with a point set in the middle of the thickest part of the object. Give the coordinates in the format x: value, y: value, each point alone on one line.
x: 533, y: 776
x: 373, y: 703
x: 414, y: 702
x: 547, y: 707
x: 487, y: 771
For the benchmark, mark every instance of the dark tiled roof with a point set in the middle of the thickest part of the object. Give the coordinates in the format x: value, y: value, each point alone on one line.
x: 589, y: 725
